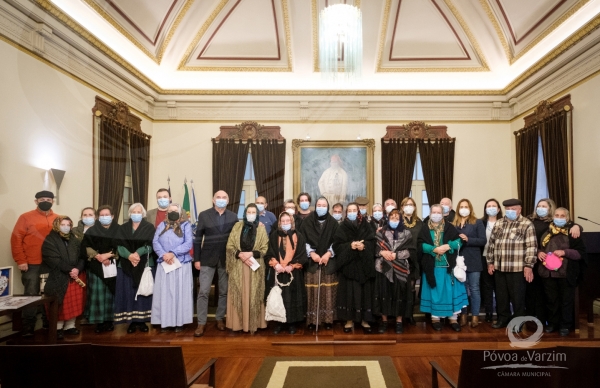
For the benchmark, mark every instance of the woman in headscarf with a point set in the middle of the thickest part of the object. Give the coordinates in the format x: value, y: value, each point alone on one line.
x: 412, y: 223
x: 443, y: 295
x: 60, y: 253
x: 248, y: 242
x: 318, y: 230
x: 98, y: 248
x: 285, y: 258
x: 134, y: 245
x: 354, y: 246
x: 395, y: 257
x: 172, y: 303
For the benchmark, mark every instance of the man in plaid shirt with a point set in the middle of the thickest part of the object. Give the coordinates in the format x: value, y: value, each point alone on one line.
x: 510, y: 257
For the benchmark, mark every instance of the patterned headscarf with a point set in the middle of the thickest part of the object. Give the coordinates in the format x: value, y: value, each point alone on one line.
x: 56, y: 226
x: 437, y: 233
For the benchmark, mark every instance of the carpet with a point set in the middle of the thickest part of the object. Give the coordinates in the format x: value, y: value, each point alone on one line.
x: 330, y: 372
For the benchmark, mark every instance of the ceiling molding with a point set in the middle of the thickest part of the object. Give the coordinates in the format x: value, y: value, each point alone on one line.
x: 499, y: 33
x: 511, y: 28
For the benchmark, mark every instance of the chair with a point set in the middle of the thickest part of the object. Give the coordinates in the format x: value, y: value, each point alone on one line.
x: 49, y: 366
x: 144, y: 366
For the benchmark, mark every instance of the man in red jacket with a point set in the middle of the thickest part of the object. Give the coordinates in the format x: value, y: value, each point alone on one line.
x: 26, y: 242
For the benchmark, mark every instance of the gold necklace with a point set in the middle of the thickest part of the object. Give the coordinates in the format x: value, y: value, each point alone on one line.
x: 411, y: 225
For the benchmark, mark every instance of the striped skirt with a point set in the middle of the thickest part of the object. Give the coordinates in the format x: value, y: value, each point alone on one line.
x: 127, y: 309
x: 172, y: 302
x: 100, y: 300
x: 327, y: 298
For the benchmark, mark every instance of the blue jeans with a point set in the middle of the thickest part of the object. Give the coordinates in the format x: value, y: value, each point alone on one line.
x: 472, y: 284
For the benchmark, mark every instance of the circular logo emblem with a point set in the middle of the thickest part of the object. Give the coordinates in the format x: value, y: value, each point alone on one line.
x: 513, y: 329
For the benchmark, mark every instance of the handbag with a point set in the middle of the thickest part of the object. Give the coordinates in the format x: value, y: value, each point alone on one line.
x: 552, y: 262
x: 275, y: 310
x: 146, y: 286
x: 460, y: 270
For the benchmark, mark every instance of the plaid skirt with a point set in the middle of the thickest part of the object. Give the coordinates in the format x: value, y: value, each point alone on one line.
x: 100, y: 300
x: 74, y: 300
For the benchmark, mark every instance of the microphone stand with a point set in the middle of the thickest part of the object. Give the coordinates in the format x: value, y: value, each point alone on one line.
x: 585, y: 219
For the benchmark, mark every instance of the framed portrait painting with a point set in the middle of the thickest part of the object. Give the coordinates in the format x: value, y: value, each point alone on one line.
x: 6, y: 281
x: 340, y: 171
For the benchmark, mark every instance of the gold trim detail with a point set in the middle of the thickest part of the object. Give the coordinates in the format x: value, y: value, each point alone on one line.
x: 490, y: 14
x: 287, y: 35
x: 184, y: 10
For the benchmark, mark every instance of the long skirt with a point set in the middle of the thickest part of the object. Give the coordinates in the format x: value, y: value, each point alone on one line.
x: 294, y: 295
x: 327, y: 297
x: 234, y: 321
x: 127, y: 309
x: 448, y: 297
x: 100, y: 300
x: 172, y: 303
x: 390, y: 298
x: 355, y: 300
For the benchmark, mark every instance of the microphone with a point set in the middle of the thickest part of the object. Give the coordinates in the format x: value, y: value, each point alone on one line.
x: 585, y: 219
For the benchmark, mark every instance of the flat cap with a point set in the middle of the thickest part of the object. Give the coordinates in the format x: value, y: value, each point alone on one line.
x: 512, y: 202
x: 44, y: 194
x: 362, y: 200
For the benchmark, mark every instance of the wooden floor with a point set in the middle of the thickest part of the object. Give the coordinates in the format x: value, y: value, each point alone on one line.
x: 240, y: 354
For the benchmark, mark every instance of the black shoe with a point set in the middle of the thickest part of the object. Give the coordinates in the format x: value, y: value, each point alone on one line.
x: 488, y: 317
x: 382, y: 327
x: 60, y: 334
x: 108, y: 326
x: 27, y: 333
x: 99, y: 328
x: 72, y: 331
x: 549, y: 329
x: 409, y: 321
x: 178, y: 329
x: 348, y: 329
x: 311, y: 327
x: 292, y: 329
x: 277, y: 329
x: 455, y: 326
x: 328, y: 326
x: 437, y: 326
x: 563, y: 332
x: 142, y: 327
x: 399, y: 328
x: 166, y: 329
x: 132, y: 327
x: 45, y: 325
x: 499, y: 325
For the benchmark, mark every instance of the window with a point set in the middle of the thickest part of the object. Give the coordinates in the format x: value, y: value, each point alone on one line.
x: 249, y: 187
x: 541, y: 190
x: 418, y: 186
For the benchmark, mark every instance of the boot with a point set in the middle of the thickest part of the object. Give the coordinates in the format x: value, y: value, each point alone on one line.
x: 463, y: 319
x: 474, y: 321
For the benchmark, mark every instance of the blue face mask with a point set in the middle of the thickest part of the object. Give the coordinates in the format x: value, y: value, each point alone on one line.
x: 378, y: 215
x: 286, y: 227
x: 220, y: 202
x: 88, y: 221
x: 163, y: 202
x: 105, y: 220
x: 321, y: 211
x: 351, y: 216
x: 541, y: 211
x: 560, y: 222
x: 511, y: 214
x: 446, y: 209
x: 363, y: 211
x: 135, y: 217
x: 394, y: 224
x: 337, y: 216
x: 491, y: 211
x: 304, y: 205
x: 260, y: 207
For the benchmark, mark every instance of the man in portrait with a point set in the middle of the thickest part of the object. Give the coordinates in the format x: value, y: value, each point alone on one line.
x: 333, y: 183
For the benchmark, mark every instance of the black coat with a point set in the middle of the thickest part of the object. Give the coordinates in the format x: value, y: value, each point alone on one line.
x: 320, y: 238
x: 102, y: 240
x: 60, y: 259
x: 428, y: 261
x: 471, y: 249
x: 211, y: 236
x: 352, y: 263
x: 132, y: 240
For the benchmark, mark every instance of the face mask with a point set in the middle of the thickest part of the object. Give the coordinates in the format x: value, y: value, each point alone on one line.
x: 491, y: 211
x: 436, y: 217
x: 389, y: 208
x: 378, y: 215
x: 67, y: 229
x: 251, y: 217
x: 511, y: 214
x: 221, y: 203
x: 45, y: 206
x: 291, y: 212
x: 286, y: 227
x: 446, y: 209
x: 321, y: 211
x: 542, y: 211
x: 560, y: 222
x: 88, y: 221
x: 464, y: 212
x: 173, y: 216
x: 304, y: 205
x: 163, y: 202
x: 135, y: 217
x: 394, y: 224
x: 408, y: 210
x: 363, y: 212
x: 337, y: 216
x: 105, y: 220
x: 352, y: 216
x: 261, y: 208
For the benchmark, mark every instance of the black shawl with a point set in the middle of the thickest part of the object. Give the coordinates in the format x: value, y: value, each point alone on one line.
x: 352, y: 263
x: 132, y: 240
x: 428, y: 261
x: 60, y: 258
x: 319, y: 237
x: 274, y: 251
x: 575, y: 268
x: 102, y: 240
x: 400, y: 268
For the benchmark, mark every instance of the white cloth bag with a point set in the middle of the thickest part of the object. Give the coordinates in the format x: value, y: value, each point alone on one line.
x: 460, y: 270
x: 147, y: 282
x: 275, y: 310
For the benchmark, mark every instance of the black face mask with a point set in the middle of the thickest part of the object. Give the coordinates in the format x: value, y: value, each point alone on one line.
x: 45, y: 206
x: 173, y: 216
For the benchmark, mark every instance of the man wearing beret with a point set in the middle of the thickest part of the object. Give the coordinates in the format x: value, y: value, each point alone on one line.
x: 510, y: 257
x: 26, y: 242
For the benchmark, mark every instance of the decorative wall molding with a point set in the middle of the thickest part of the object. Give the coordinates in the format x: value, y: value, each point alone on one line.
x: 250, y: 130
x: 119, y: 112
x: 416, y: 130
x: 546, y: 108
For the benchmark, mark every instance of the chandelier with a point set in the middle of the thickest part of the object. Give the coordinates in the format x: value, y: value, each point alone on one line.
x: 340, y: 42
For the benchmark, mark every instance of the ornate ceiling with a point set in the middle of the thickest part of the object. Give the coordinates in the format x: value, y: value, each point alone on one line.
x: 271, y: 44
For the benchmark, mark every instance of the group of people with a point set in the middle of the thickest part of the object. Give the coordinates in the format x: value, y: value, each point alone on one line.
x: 331, y: 264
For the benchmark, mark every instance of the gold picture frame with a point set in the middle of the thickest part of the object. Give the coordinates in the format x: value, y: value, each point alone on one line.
x: 317, y: 161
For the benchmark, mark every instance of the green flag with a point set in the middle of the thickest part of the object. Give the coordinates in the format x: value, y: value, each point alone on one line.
x: 186, y: 199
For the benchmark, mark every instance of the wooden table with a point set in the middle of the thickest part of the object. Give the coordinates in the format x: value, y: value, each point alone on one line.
x: 17, y: 320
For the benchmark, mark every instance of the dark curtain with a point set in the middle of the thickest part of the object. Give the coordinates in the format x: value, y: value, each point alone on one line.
x: 229, y: 165
x: 553, y: 133
x: 139, y: 146
x: 268, y: 158
x: 398, y: 157
x: 437, y: 160
x: 112, y: 161
x: 527, y: 156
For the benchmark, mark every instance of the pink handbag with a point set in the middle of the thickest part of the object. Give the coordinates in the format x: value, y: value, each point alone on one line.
x: 552, y: 262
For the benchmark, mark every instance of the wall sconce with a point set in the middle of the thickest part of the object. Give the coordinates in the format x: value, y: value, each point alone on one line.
x: 58, y: 178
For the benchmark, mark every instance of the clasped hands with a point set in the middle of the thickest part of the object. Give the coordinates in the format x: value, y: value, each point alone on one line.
x: 134, y: 258
x: 283, y: 266
x: 320, y: 259
x: 245, y: 257
x: 441, y: 249
x: 104, y: 258
x: 358, y: 245
x: 558, y: 252
x: 169, y: 258
x: 388, y: 255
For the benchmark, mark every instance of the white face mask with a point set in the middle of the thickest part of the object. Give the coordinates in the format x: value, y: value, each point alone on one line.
x: 251, y: 217
x: 389, y: 208
x: 408, y: 210
x: 290, y: 211
x: 464, y: 212
x: 436, y: 217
